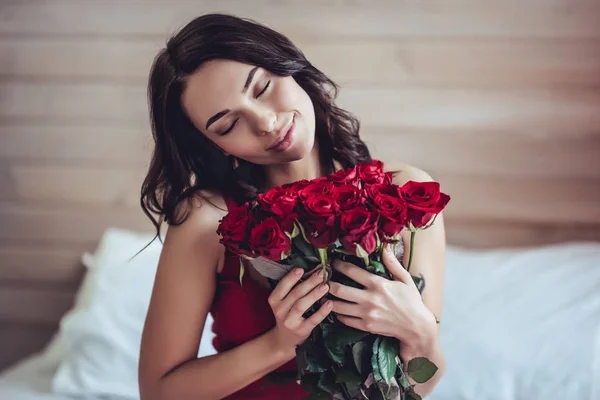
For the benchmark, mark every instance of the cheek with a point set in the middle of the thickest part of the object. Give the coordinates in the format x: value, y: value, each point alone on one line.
x: 293, y: 97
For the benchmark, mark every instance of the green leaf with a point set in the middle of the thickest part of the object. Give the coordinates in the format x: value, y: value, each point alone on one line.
x: 375, y: 360
x: 386, y: 358
x: 323, y: 256
x: 412, y: 395
x: 241, y: 271
x: 402, y: 379
x: 360, y: 354
x: 360, y: 252
x: 310, y: 358
x: 327, y: 382
x: 302, y: 244
x: 299, y: 262
x: 379, y: 267
x: 347, y: 375
x: 421, y: 369
x: 337, y: 338
x: 295, y: 231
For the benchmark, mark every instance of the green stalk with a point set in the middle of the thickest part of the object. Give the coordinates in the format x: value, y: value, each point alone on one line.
x: 412, y: 242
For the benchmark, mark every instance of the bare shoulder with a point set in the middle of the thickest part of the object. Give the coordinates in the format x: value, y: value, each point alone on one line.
x: 186, y: 281
x: 197, y: 234
x: 403, y: 173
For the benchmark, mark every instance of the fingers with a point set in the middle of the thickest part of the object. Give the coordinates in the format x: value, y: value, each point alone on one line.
x: 395, y: 267
x: 303, y: 304
x: 355, y: 273
x: 310, y: 323
x: 285, y: 285
x: 348, y: 293
x: 345, y: 308
x: 300, y: 291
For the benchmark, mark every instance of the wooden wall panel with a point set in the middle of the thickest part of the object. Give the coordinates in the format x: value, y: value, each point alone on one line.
x: 343, y: 19
x: 499, y: 101
x: 404, y: 61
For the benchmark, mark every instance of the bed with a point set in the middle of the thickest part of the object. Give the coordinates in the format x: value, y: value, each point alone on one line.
x: 518, y: 324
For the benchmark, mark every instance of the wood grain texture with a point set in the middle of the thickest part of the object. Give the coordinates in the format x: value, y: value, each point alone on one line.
x: 406, y: 61
x: 499, y: 101
x: 447, y: 108
x: 41, y: 265
x: 17, y: 340
x: 341, y: 19
x: 34, y: 305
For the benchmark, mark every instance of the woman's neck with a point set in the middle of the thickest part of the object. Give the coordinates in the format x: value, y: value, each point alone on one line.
x: 307, y: 168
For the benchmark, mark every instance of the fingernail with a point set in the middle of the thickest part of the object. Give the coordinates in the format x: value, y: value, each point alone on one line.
x: 323, y: 288
x: 298, y: 271
x: 320, y: 273
x: 329, y: 304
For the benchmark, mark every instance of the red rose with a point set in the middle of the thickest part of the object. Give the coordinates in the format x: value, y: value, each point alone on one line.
x: 345, y: 176
x: 278, y: 200
x: 267, y: 239
x: 322, y: 206
x: 321, y: 233
x: 392, y: 215
x: 315, y: 189
x: 386, y: 200
x: 347, y: 196
x: 424, y: 201
x: 294, y: 187
x: 287, y: 222
x: 234, y: 229
x: 373, y: 173
x: 377, y: 189
x: 359, y: 226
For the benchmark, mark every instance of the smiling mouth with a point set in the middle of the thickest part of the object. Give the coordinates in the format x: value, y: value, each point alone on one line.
x: 284, y: 136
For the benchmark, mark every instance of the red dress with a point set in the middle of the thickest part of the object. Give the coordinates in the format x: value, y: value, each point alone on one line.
x: 241, y: 313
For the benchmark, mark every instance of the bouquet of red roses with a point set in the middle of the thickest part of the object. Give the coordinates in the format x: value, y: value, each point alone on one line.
x: 351, y: 214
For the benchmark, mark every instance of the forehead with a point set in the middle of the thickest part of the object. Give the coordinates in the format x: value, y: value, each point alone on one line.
x: 216, y: 85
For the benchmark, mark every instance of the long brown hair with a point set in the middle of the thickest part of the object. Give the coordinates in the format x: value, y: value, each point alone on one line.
x: 184, y: 161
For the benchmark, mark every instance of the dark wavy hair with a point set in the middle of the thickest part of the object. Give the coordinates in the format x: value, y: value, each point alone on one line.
x: 184, y: 161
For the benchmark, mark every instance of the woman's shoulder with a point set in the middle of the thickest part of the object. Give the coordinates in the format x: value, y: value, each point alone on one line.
x: 403, y: 172
x: 201, y: 215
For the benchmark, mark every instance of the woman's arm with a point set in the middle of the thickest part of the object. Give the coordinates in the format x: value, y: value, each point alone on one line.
x: 429, y: 255
x: 183, y: 292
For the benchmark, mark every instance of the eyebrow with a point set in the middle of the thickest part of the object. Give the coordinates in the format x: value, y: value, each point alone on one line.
x: 221, y: 114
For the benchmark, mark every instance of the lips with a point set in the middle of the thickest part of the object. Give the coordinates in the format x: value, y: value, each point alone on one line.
x: 283, y: 135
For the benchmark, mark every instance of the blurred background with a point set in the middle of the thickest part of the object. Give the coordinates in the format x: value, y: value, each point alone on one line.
x: 498, y: 100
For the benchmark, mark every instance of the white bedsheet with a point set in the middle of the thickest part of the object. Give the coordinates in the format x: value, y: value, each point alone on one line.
x: 31, y: 379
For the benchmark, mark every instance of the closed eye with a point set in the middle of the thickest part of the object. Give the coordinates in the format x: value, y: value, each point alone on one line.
x: 229, y: 129
x: 264, y: 89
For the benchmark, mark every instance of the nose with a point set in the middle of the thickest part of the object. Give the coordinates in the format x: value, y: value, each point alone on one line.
x: 264, y: 120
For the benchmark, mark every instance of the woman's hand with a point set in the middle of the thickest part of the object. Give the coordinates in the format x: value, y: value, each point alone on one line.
x: 385, y: 307
x: 289, y: 305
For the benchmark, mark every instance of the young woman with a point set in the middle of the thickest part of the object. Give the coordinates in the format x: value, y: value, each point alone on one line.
x: 237, y: 109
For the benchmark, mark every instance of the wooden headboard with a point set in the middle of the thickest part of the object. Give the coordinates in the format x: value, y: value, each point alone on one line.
x: 499, y: 101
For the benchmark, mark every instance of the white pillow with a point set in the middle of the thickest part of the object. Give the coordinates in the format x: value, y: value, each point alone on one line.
x: 522, y: 324
x: 103, y: 336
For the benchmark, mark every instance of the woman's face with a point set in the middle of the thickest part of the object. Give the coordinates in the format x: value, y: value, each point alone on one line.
x: 246, y: 110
